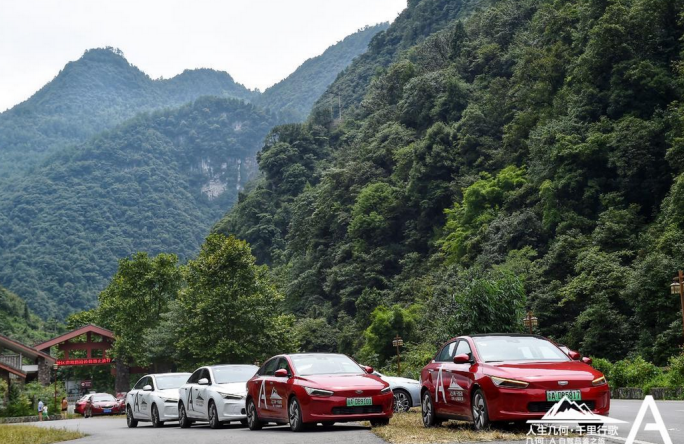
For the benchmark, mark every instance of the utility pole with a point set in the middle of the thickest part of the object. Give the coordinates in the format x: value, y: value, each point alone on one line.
x: 678, y: 287
x: 398, y: 342
x: 530, y: 321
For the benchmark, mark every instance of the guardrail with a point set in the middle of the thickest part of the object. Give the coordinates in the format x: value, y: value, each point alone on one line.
x: 13, y: 361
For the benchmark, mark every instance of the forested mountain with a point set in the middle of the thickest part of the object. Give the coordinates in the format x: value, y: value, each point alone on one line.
x: 18, y: 322
x: 155, y: 183
x: 94, y: 93
x: 528, y: 156
x: 294, y: 96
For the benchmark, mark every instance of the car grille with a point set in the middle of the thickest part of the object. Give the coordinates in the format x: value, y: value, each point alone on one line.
x: 543, y: 407
x: 361, y: 410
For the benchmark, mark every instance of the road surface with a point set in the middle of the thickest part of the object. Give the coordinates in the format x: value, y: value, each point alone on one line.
x: 114, y: 430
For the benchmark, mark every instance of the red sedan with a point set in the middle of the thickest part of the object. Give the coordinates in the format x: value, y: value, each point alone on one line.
x: 100, y: 404
x: 486, y: 378
x: 305, y: 389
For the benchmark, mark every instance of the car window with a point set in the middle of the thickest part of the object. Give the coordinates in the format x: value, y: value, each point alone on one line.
x: 325, y: 364
x: 167, y: 382
x: 282, y: 363
x: 463, y: 348
x: 206, y: 374
x: 269, y: 368
x: 517, y: 348
x: 140, y: 384
x: 447, y: 353
x: 195, y: 376
x: 228, y: 374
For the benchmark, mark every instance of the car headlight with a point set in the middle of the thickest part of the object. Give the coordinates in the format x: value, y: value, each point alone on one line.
x: 385, y: 390
x: 174, y: 400
x: 231, y: 395
x: 508, y: 383
x: 599, y: 381
x: 318, y: 392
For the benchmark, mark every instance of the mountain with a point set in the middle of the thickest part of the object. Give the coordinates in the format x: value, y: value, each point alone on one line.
x: 524, y: 155
x: 294, y: 96
x: 155, y: 183
x: 18, y: 322
x: 94, y: 93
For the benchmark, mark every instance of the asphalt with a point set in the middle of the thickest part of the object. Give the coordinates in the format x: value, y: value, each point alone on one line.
x: 114, y: 430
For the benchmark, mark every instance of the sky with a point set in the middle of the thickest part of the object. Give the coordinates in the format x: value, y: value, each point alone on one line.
x: 259, y: 42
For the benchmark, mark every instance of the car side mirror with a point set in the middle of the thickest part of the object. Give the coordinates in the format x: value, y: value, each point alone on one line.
x: 368, y: 369
x: 587, y: 360
x: 574, y: 355
x: 281, y: 373
x: 462, y: 359
x: 203, y: 381
x: 147, y: 388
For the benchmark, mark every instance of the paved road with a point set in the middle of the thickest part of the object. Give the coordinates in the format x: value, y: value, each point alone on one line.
x: 114, y: 430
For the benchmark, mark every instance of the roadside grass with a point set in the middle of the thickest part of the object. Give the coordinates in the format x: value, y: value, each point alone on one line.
x: 25, y: 434
x: 407, y: 428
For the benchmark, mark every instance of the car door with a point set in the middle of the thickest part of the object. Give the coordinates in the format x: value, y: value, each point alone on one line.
x: 136, y: 398
x: 280, y: 390
x: 265, y: 388
x: 147, y: 397
x: 190, y: 391
x: 461, y: 381
x: 441, y: 378
x: 202, y: 395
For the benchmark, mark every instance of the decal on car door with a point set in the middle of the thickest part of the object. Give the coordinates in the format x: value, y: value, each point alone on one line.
x: 191, y: 404
x: 276, y: 399
x: 455, y: 390
x: 262, y: 394
x: 439, y: 385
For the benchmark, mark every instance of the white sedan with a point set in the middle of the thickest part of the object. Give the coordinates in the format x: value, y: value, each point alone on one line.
x: 154, y: 398
x: 215, y: 394
x: 406, y: 392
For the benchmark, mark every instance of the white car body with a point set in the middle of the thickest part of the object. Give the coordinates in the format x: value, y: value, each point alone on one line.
x: 158, y: 391
x: 223, y: 386
x: 401, y: 387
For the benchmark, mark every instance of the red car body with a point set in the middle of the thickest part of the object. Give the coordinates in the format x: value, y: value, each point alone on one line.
x: 323, y: 398
x: 98, y: 404
x: 513, y: 390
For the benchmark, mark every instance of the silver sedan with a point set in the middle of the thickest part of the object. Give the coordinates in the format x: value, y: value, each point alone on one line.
x: 406, y: 392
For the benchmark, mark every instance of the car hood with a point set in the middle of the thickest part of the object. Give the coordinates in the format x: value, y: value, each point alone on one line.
x: 530, y: 371
x: 341, y: 382
x: 101, y: 403
x: 237, y: 388
x: 168, y: 393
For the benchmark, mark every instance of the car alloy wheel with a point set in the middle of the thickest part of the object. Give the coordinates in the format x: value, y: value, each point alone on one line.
x: 479, y: 406
x: 253, y: 421
x: 214, y: 422
x: 155, y: 417
x: 427, y: 410
x: 402, y: 401
x: 183, y: 420
x: 130, y: 420
x: 295, y: 416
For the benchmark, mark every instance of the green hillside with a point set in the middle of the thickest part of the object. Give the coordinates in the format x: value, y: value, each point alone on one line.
x: 94, y: 93
x: 155, y: 183
x: 294, y: 96
x: 18, y: 322
x: 529, y: 157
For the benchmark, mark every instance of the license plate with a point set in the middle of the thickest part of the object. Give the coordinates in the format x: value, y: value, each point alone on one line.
x: 557, y: 395
x: 108, y: 410
x: 357, y: 402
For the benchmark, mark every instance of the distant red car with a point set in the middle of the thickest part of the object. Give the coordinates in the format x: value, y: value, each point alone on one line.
x: 486, y: 378
x: 305, y: 389
x: 98, y: 404
x: 79, y: 408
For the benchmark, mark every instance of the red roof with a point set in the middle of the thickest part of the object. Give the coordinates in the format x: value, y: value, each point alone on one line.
x: 17, y: 372
x: 75, y: 333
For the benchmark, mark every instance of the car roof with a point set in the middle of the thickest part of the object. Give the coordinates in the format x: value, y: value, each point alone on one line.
x: 167, y: 374
x: 479, y: 335
x: 230, y: 365
x: 315, y: 354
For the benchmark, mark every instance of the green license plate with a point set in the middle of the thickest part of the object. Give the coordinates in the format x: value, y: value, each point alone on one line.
x: 357, y: 402
x: 557, y: 395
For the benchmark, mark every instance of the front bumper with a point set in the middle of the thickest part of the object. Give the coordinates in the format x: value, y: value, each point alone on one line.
x: 334, y: 408
x: 169, y: 411
x: 231, y: 409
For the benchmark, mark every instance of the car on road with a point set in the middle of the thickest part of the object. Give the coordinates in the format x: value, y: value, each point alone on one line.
x: 100, y: 404
x: 154, y: 398
x: 406, y: 392
x: 310, y: 388
x: 506, y: 377
x: 215, y: 394
x: 79, y: 406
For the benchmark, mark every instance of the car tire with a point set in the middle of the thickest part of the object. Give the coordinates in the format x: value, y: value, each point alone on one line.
x: 479, y: 410
x: 402, y: 401
x: 427, y: 409
x: 131, y: 422
x: 253, y: 421
x: 214, y: 421
x: 379, y: 422
x: 294, y: 414
x: 156, y: 422
x: 183, y: 420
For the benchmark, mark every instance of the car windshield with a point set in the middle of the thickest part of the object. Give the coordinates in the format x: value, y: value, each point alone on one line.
x: 234, y: 373
x: 307, y: 365
x: 517, y: 348
x: 171, y: 381
x: 103, y: 398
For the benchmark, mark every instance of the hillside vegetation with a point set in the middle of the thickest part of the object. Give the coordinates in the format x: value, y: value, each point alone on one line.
x: 527, y: 156
x: 18, y: 322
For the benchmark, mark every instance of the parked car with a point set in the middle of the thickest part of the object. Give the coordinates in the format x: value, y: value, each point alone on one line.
x: 406, y: 392
x: 506, y: 377
x: 79, y: 407
x: 311, y: 388
x: 121, y: 399
x: 154, y: 398
x: 216, y: 394
x: 101, y: 404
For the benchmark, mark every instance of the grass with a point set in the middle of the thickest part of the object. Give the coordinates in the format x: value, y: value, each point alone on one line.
x: 24, y: 434
x: 407, y: 428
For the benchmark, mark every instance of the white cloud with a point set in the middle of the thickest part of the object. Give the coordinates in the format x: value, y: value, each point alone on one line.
x: 259, y: 42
